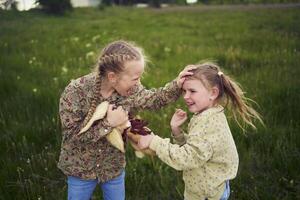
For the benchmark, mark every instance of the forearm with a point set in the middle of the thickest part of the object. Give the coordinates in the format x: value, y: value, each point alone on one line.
x: 191, y: 155
x: 157, y: 98
x: 176, y: 131
x: 178, y: 136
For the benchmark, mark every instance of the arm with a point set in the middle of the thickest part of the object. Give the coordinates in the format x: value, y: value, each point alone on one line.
x: 211, y: 135
x: 193, y: 154
x: 157, y: 98
x: 180, y: 138
x: 191, y: 151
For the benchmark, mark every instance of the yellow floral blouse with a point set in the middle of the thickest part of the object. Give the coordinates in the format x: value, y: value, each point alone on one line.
x: 207, y: 155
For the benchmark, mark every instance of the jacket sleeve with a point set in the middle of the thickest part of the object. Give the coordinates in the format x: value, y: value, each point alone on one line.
x: 155, y: 98
x: 72, y: 117
x: 193, y: 154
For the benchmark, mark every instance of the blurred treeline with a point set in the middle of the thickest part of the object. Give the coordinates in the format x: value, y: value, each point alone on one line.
x: 61, y: 6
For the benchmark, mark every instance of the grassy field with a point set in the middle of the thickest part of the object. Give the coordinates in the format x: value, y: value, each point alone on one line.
x: 39, y: 54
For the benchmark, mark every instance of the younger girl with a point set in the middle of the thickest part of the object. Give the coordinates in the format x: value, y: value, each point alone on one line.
x: 88, y: 159
x: 207, y: 155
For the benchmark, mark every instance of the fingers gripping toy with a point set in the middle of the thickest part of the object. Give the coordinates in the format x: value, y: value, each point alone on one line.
x: 138, y: 127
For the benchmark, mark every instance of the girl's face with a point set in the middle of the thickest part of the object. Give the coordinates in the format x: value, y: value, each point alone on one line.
x: 130, y: 77
x: 196, y: 96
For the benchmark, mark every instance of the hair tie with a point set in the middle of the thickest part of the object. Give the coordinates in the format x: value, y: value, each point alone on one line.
x: 220, y: 73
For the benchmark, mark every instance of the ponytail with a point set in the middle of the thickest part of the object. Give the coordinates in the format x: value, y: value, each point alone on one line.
x: 239, y: 103
x: 230, y: 93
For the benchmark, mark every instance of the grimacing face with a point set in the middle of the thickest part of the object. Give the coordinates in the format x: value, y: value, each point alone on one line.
x: 196, y: 95
x: 130, y: 77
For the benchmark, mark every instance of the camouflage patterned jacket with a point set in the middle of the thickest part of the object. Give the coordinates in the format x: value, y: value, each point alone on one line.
x: 90, y: 155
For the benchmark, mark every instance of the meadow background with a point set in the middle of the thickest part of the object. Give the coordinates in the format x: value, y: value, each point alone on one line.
x: 40, y: 54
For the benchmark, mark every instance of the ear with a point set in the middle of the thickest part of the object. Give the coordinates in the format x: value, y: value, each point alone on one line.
x: 112, y: 77
x: 214, y: 93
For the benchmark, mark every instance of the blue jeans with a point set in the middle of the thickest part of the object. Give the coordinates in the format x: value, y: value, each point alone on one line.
x: 226, y: 193
x: 80, y: 189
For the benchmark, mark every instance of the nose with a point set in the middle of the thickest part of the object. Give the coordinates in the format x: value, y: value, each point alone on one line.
x: 186, y: 96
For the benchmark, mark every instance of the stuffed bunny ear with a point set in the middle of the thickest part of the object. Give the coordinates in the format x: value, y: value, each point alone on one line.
x: 148, y: 152
x: 137, y: 150
x: 139, y: 154
x: 99, y: 113
x: 115, y: 138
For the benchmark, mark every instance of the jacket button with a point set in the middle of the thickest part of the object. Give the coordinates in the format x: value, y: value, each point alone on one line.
x: 98, y: 165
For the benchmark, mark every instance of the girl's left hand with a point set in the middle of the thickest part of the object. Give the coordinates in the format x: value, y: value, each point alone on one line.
x: 184, y: 73
x: 179, y: 117
x: 145, y: 141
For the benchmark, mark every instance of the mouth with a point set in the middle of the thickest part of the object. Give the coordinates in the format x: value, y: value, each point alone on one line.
x: 189, y: 104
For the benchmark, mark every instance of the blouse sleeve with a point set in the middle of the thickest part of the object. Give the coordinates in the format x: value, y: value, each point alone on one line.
x: 156, y: 98
x: 179, y: 139
x: 194, y: 153
x: 72, y: 118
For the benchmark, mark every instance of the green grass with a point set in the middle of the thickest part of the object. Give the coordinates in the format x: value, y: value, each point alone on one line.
x: 39, y: 54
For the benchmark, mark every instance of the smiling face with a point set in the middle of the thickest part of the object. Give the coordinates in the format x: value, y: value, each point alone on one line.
x: 130, y: 77
x: 196, y: 96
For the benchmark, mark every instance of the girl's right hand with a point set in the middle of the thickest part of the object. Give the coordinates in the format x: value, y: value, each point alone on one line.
x: 116, y: 116
x: 179, y: 117
x: 145, y: 141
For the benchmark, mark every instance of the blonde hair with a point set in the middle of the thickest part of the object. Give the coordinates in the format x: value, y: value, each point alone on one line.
x: 112, y: 59
x: 230, y: 93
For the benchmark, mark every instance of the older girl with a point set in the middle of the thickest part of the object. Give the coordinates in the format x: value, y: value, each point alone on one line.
x: 88, y: 159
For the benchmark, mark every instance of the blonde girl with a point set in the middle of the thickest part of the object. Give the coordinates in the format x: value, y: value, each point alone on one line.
x: 207, y: 155
x: 88, y: 159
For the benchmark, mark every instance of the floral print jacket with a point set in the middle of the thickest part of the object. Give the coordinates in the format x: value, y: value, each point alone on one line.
x: 90, y: 155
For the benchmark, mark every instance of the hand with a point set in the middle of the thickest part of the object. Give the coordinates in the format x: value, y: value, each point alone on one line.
x: 139, y: 140
x: 145, y: 141
x: 134, y: 137
x: 179, y: 117
x: 125, y: 126
x: 184, y: 73
x: 116, y: 117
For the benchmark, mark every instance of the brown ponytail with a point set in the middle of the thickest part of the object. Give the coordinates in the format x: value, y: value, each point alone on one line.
x: 230, y: 93
x: 240, y: 104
